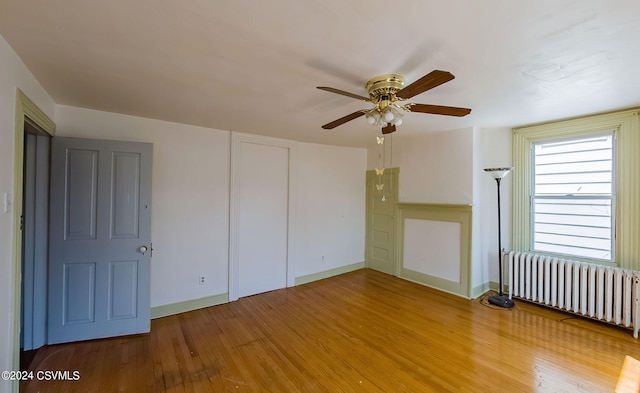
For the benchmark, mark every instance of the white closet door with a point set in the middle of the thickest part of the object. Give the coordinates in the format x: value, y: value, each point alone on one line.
x: 262, y: 217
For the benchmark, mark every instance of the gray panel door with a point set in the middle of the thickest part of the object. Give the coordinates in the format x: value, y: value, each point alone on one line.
x: 100, y: 219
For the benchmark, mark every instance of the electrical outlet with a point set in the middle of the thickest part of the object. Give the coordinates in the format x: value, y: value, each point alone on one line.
x: 201, y: 280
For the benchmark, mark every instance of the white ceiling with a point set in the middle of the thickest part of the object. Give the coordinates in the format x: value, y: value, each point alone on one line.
x: 252, y: 66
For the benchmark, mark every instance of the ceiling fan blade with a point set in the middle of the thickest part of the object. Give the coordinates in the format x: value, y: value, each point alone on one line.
x: 388, y: 129
x: 343, y: 120
x: 344, y: 93
x: 433, y: 79
x: 440, y: 110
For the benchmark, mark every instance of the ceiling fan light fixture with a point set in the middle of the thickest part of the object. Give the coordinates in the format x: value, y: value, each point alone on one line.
x: 388, y: 115
x: 382, y: 90
x: 382, y: 117
x: 397, y: 112
x: 388, y: 94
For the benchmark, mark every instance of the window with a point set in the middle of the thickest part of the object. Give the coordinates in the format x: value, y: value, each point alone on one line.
x: 576, y: 189
x: 573, y: 197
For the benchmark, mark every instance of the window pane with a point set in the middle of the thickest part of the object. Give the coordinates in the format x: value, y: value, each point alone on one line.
x: 573, y: 193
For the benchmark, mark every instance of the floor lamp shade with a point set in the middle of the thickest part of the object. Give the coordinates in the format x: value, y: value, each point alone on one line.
x: 498, y: 173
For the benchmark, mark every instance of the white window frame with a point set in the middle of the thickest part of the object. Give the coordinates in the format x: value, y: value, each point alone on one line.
x: 626, y: 125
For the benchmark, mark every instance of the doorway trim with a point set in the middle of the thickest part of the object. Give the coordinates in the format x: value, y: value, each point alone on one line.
x: 237, y: 139
x: 26, y: 111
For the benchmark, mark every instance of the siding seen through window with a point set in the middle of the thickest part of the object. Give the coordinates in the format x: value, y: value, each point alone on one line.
x: 573, y: 204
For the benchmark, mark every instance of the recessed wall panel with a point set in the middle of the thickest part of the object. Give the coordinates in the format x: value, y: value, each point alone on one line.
x: 123, y: 289
x: 380, y: 253
x: 433, y: 248
x: 81, y: 194
x: 380, y: 236
x: 125, y: 190
x: 79, y: 293
x: 380, y: 220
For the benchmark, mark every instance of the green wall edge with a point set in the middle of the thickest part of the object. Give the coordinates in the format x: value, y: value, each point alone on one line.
x: 434, y: 282
x: 329, y: 273
x: 189, y: 305
x: 196, y: 304
x: 481, y: 289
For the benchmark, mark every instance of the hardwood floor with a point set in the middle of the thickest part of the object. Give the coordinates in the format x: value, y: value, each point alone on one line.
x: 363, y: 331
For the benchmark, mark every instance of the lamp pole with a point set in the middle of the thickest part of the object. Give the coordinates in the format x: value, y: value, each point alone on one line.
x: 500, y: 299
x: 499, y: 239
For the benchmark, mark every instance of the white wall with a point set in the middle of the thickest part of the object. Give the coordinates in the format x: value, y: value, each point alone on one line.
x: 447, y: 167
x: 435, y: 167
x: 190, y: 198
x: 479, y: 267
x: 190, y: 201
x: 495, y: 151
x: 13, y: 75
x: 330, y: 214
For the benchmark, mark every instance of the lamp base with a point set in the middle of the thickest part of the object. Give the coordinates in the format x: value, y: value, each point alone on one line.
x: 501, y: 301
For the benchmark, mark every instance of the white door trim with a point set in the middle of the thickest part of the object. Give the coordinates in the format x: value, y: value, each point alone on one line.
x: 237, y: 139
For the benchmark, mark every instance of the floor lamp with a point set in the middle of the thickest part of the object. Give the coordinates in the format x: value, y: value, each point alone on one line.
x: 500, y: 299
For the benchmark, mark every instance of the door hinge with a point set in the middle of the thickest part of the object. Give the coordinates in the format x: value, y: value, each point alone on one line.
x: 22, y: 222
x: 150, y: 250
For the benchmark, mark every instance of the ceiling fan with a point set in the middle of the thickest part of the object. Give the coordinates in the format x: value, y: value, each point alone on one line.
x: 387, y: 93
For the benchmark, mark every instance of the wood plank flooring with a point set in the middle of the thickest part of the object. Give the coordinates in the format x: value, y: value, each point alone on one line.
x: 362, y: 331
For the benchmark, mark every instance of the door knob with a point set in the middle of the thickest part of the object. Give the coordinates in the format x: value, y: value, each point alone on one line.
x: 143, y: 249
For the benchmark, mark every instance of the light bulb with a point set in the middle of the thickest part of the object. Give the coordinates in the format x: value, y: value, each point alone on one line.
x: 388, y: 116
x: 371, y: 120
x: 398, y: 122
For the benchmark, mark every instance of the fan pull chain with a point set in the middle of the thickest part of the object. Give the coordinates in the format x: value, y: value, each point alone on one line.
x: 380, y: 171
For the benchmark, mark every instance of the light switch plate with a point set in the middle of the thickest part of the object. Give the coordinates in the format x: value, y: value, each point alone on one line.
x: 5, y: 202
